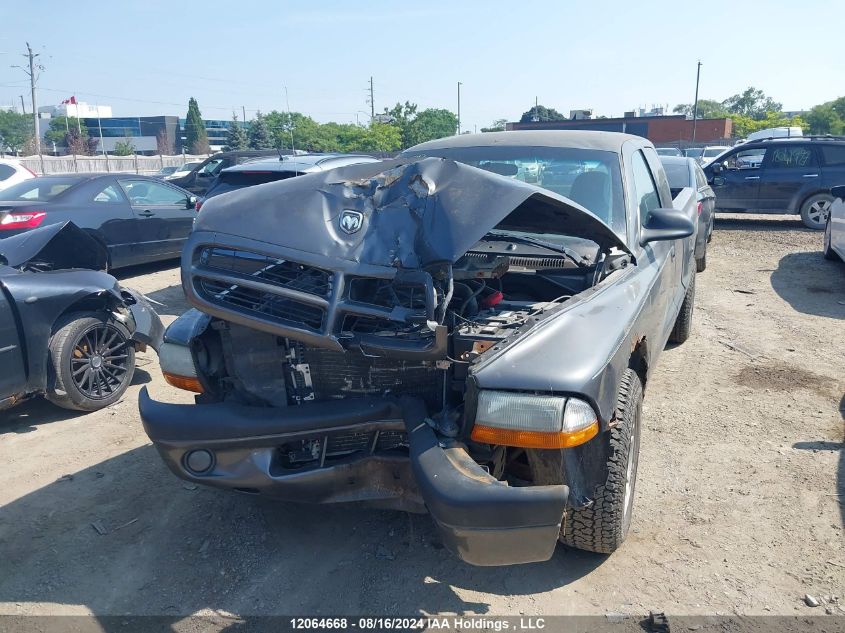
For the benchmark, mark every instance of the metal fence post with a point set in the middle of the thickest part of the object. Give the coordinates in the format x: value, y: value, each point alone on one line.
x: 41, y: 159
x: 135, y: 157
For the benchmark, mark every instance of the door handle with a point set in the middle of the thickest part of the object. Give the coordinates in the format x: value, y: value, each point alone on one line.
x: 752, y: 177
x: 811, y: 175
x: 147, y: 213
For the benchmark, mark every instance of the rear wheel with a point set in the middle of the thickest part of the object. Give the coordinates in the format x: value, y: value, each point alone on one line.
x: 815, y: 210
x: 701, y: 263
x: 828, y: 252
x: 683, y: 323
x: 603, y: 526
x: 92, y: 362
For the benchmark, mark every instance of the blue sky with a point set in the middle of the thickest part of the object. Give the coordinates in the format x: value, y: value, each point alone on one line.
x: 147, y: 57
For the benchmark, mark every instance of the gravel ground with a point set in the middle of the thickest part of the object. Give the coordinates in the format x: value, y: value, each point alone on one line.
x: 739, y: 505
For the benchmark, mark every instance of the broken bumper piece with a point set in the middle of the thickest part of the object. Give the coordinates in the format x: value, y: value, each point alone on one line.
x: 482, y: 520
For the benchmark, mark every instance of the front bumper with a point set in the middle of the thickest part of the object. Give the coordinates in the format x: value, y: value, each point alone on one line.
x: 149, y: 329
x: 482, y: 520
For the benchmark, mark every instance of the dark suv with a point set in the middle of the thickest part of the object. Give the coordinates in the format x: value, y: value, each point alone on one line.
x: 199, y: 179
x: 780, y: 175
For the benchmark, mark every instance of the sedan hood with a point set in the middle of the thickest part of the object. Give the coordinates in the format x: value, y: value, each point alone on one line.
x: 403, y: 213
x: 53, y: 247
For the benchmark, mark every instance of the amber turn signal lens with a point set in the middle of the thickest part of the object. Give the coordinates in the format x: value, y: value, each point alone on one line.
x: 183, y: 382
x: 532, y: 439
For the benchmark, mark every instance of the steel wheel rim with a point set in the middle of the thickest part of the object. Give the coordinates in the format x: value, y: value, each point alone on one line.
x: 99, y: 362
x: 818, y: 211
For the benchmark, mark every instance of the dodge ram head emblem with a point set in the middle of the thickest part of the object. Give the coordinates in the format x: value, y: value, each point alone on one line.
x: 351, y: 221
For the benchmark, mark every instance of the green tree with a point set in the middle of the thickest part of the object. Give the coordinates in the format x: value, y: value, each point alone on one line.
x: 380, y: 137
x: 402, y: 115
x: 707, y: 109
x: 236, y: 137
x: 825, y: 119
x: 745, y: 125
x: 541, y: 113
x: 124, y: 148
x: 431, y: 124
x: 751, y: 103
x: 15, y: 131
x: 304, y: 131
x: 60, y: 128
x: 196, y: 137
x: 499, y: 125
x: 259, y: 134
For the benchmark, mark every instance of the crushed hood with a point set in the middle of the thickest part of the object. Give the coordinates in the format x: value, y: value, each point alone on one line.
x: 53, y: 247
x: 404, y: 213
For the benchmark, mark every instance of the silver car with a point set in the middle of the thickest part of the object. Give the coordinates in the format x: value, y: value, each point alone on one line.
x: 834, y: 228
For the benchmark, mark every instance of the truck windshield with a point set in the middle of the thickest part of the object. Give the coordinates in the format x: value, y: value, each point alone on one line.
x: 592, y: 178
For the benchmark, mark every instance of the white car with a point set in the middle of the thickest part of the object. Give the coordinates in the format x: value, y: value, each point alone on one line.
x: 184, y: 170
x: 710, y: 152
x: 12, y: 172
x: 834, y: 228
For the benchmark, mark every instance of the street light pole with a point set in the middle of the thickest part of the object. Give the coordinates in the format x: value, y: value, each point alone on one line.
x: 695, y: 105
x: 459, y: 108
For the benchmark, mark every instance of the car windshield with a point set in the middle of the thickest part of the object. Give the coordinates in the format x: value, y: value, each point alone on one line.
x: 695, y: 152
x: 712, y: 152
x: 668, y: 151
x: 231, y: 181
x: 39, y: 189
x: 592, y: 178
x: 187, y: 166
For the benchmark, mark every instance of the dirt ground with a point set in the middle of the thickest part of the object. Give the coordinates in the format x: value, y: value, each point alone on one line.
x: 739, y: 503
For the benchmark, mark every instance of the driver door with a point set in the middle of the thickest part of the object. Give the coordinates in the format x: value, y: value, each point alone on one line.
x: 164, y: 216
x: 737, y: 187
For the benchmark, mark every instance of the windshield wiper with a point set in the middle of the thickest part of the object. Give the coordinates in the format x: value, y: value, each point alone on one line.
x: 571, y: 255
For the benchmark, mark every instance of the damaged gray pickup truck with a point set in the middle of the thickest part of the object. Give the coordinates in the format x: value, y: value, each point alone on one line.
x: 434, y: 333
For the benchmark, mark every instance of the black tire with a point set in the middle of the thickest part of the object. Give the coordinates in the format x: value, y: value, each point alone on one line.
x: 828, y: 252
x: 701, y: 264
x: 683, y: 324
x: 92, y: 361
x: 815, y: 210
x: 603, y: 526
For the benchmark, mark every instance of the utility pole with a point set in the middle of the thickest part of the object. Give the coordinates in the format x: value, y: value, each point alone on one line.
x: 23, y: 107
x: 32, y: 70
x: 243, y: 110
x: 695, y: 105
x: 459, y: 108
x: 372, y: 103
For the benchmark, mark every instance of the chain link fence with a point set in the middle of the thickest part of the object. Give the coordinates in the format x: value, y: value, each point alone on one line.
x: 148, y: 165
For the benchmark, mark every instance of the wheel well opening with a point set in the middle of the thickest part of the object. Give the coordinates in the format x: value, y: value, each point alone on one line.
x: 91, y: 303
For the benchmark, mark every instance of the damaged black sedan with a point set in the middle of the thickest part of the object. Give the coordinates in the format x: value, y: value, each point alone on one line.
x: 434, y: 333
x: 68, y: 330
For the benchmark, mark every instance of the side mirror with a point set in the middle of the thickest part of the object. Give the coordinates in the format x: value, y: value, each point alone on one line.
x: 666, y: 224
x: 838, y: 192
x: 717, y: 168
x: 192, y: 202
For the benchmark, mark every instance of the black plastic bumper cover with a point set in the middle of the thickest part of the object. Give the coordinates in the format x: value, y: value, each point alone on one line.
x: 483, y: 521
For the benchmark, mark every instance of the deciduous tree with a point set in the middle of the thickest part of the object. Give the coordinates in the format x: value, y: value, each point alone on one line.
x: 707, y: 109
x: 15, y: 131
x: 751, y: 103
x: 541, y: 113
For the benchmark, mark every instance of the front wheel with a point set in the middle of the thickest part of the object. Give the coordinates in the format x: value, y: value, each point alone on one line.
x: 602, y: 526
x: 815, y: 210
x: 92, y: 360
